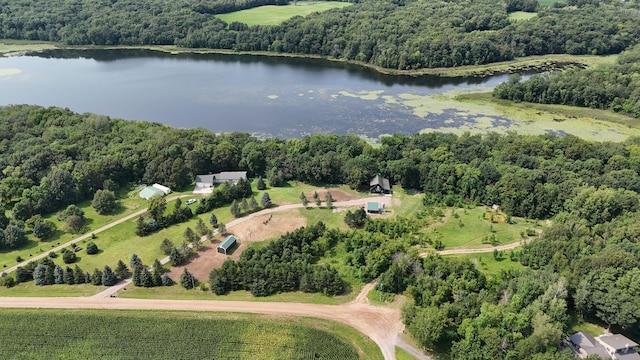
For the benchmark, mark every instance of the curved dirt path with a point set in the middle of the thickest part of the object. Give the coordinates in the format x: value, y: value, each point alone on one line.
x: 383, y: 325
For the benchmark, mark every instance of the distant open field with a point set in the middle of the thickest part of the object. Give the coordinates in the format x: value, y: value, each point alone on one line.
x: 274, y: 15
x: 85, y: 334
x: 521, y: 15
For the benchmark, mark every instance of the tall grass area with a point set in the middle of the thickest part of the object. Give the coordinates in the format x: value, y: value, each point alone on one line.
x: 490, y: 266
x: 85, y: 334
x: 275, y: 15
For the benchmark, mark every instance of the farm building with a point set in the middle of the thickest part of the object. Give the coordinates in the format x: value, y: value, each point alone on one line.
x: 228, y: 244
x: 205, y: 183
x: 375, y: 208
x: 379, y: 185
x: 153, y: 190
x: 149, y: 192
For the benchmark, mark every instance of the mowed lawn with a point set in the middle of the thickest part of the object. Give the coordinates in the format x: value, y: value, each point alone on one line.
x: 274, y: 15
x: 467, y: 228
x: 521, y: 15
x: 490, y: 266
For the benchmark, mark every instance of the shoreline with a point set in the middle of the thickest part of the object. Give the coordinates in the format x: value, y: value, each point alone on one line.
x: 538, y: 63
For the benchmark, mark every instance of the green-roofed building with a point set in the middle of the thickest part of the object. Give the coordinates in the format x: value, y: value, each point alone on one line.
x: 149, y: 192
x: 375, y: 208
x: 228, y: 244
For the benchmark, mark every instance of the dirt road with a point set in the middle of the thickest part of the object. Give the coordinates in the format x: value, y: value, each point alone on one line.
x: 383, y: 325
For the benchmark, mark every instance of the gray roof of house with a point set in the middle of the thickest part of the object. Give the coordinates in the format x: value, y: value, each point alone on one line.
x: 207, y: 179
x: 583, y: 340
x: 627, y: 356
x: 379, y: 180
x: 231, y: 176
x: 597, y: 350
x: 617, y: 341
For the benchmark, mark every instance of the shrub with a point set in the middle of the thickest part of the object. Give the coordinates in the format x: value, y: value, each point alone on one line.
x: 69, y: 257
x: 92, y: 248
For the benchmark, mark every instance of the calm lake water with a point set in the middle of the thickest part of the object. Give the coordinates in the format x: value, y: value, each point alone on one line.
x: 265, y: 96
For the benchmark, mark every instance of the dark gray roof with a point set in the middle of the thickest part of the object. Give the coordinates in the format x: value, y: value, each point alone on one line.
x: 583, y: 340
x: 617, y: 341
x: 379, y: 180
x: 598, y: 350
x: 229, y: 176
x: 206, y: 179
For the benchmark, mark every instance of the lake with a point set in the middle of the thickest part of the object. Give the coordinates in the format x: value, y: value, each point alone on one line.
x: 265, y: 96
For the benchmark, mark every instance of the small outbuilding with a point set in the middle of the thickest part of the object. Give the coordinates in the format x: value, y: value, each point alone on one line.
x: 165, y: 190
x: 228, y: 244
x: 375, y: 208
x: 379, y: 185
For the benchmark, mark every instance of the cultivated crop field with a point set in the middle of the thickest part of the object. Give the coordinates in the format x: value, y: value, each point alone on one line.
x: 47, y: 334
x: 274, y: 15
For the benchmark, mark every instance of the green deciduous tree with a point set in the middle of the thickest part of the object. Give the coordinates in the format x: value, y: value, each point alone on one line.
x: 104, y: 201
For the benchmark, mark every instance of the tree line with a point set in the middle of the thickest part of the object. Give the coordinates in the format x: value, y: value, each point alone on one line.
x: 396, y: 34
x: 613, y: 87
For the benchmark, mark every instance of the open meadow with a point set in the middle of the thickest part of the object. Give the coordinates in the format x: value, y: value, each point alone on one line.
x: 84, y: 334
x: 274, y: 15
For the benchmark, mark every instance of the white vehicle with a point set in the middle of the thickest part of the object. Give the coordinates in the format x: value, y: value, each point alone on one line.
x: 191, y: 201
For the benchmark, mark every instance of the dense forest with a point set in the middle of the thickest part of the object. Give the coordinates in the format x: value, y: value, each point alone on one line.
x: 586, y: 262
x: 610, y: 87
x: 396, y: 34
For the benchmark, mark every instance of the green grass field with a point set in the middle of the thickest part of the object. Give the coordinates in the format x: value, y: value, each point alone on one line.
x: 469, y: 229
x: 521, y: 15
x: 30, y: 289
x: 401, y: 354
x: 489, y: 266
x: 274, y: 15
x: 84, y: 334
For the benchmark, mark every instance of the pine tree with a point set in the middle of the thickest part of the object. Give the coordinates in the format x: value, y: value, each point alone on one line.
x: 122, y: 272
x: 176, y: 257
x: 265, y: 201
x: 58, y: 275
x: 222, y: 229
x: 328, y: 199
x: 78, y: 275
x: 39, y: 275
x: 190, y: 235
x: 260, y: 185
x: 137, y: 276
x: 135, y: 261
x: 157, y: 266
x: 166, y: 246
x: 108, y: 277
x: 253, y: 204
x: 166, y: 280
x: 50, y: 277
x: 157, y: 278
x: 92, y: 248
x: 201, y: 228
x: 96, y: 277
x: 234, y: 208
x: 213, y: 220
x: 146, y: 278
x: 187, y: 280
x: 69, y: 276
x: 304, y: 199
x: 244, y: 205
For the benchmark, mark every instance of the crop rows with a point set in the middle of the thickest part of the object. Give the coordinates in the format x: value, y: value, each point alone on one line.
x: 73, y: 335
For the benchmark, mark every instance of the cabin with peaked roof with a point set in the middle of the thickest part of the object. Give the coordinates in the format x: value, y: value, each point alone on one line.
x: 379, y: 185
x: 228, y: 244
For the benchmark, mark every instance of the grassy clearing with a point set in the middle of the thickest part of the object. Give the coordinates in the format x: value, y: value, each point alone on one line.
x: 521, y: 15
x: 488, y: 265
x: 176, y: 292
x: 468, y: 228
x: 126, y: 206
x: 275, y: 15
x: 406, y: 202
x: 30, y: 289
x: 155, y: 335
x: 548, y: 2
x: 330, y: 218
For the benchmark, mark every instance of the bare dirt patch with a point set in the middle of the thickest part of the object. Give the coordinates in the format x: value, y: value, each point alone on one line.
x: 336, y: 194
x: 252, y: 230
